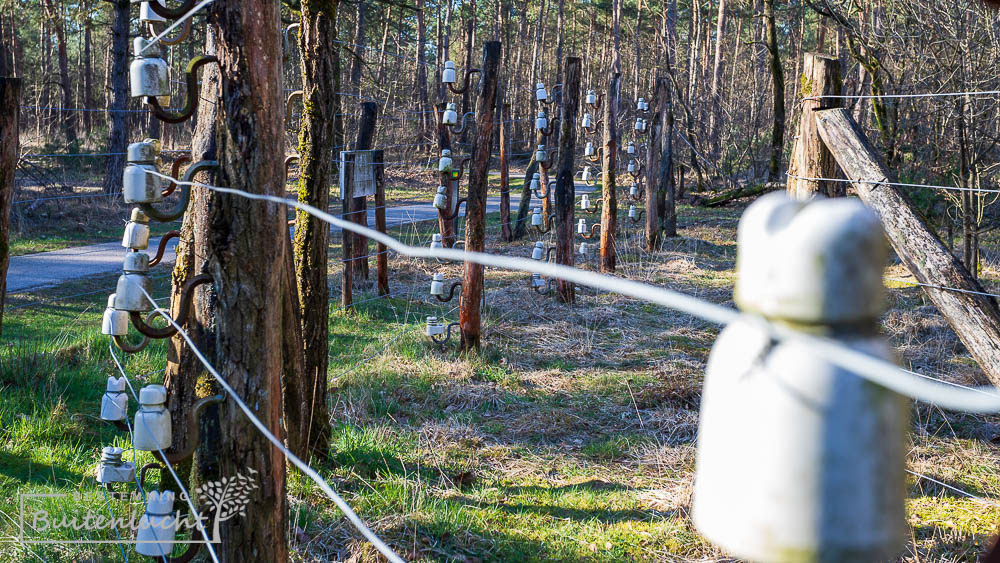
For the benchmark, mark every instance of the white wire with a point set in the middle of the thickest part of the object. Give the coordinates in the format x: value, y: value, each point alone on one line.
x: 956, y: 489
x: 309, y: 471
x: 182, y: 19
x: 930, y: 95
x: 163, y: 456
x: 913, y: 283
x: 887, y: 183
x: 874, y: 369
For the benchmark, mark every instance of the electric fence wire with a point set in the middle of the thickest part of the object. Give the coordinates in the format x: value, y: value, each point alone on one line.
x: 876, y: 370
x: 885, y: 182
x: 304, y: 467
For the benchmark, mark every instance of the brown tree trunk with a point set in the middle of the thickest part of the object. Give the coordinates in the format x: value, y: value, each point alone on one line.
x: 973, y: 317
x: 565, y: 186
x: 475, y: 207
x: 306, y: 415
x: 666, y: 208
x: 245, y: 254
x: 810, y: 157
x: 609, y: 164
x: 778, y: 91
x: 55, y: 16
x: 505, y: 232
x: 88, y: 71
x: 420, y: 94
x: 117, y: 141
x: 10, y: 101
x: 359, y: 246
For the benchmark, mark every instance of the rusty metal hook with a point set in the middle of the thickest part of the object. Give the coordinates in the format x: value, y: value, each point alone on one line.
x: 288, y: 48
x: 173, y: 458
x: 638, y: 214
x: 130, y: 348
x: 550, y: 160
x: 447, y: 336
x: 296, y: 95
x: 465, y: 87
x: 464, y: 200
x: 596, y: 207
x: 451, y: 292
x: 594, y: 227
x: 193, y: 93
x: 548, y: 224
x: 187, y: 293
x: 175, y: 169
x: 458, y: 170
x: 548, y: 130
x: 595, y: 127
x: 597, y: 155
x: 176, y: 39
x: 465, y: 123
x: 597, y: 106
x: 548, y: 190
x: 171, y: 14
x: 163, y: 246
x: 178, y: 210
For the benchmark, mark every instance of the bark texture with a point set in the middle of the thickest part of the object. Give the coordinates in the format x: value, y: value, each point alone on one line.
x: 810, y: 157
x: 10, y: 101
x: 974, y: 318
x: 609, y: 162
x: 565, y: 184
x: 119, y: 97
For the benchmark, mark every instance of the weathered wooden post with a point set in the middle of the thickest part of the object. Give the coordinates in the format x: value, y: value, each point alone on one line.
x: 505, y: 231
x: 10, y: 102
x: 810, y: 157
x: 827, y: 456
x: 565, y: 187
x: 366, y: 136
x: 446, y: 227
x: 609, y: 162
x: 666, y: 207
x: 346, y: 237
x: 382, y: 257
x: 475, y: 213
x: 973, y: 316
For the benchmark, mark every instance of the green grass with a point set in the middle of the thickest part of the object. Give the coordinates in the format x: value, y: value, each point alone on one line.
x: 569, y: 438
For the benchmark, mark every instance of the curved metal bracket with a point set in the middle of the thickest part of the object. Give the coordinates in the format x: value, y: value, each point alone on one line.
x: 457, y: 171
x: 176, y: 39
x: 548, y: 225
x: 171, y: 14
x: 465, y: 86
x: 447, y: 336
x: 451, y: 292
x: 296, y: 95
x: 178, y: 210
x: 548, y: 190
x: 594, y: 227
x: 551, y: 128
x: 193, y: 92
x: 548, y: 285
x: 288, y: 163
x: 173, y: 458
x: 126, y: 347
x: 465, y: 123
x: 163, y: 246
x: 288, y: 48
x: 552, y: 98
x: 639, y: 214
x: 595, y: 127
x: 175, y: 169
x: 596, y: 207
x: 597, y: 106
x: 550, y: 160
x: 144, y: 469
x: 464, y: 200
x: 597, y: 156
x: 187, y: 292
x: 636, y: 175
x: 548, y: 253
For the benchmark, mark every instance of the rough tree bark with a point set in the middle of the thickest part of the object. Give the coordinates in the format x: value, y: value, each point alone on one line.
x: 565, y: 186
x: 306, y: 417
x: 10, y: 101
x: 778, y: 91
x: 810, y: 157
x: 475, y: 206
x: 609, y: 163
x: 666, y: 208
x: 244, y: 251
x: 119, y: 97
x: 974, y: 318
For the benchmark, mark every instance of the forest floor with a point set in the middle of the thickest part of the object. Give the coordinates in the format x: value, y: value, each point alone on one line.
x: 570, y: 437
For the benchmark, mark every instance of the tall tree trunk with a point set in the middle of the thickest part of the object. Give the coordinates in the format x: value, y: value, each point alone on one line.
x: 10, y: 100
x: 420, y: 95
x: 609, y: 164
x: 245, y: 252
x: 88, y: 71
x: 778, y: 90
x: 55, y: 16
x: 306, y: 413
x: 716, y: 112
x: 119, y: 97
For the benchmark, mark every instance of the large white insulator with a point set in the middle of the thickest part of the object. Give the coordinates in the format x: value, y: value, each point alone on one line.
x: 152, y: 431
x: 115, y: 322
x: 114, y: 402
x: 448, y: 75
x: 148, y: 74
x: 158, y: 526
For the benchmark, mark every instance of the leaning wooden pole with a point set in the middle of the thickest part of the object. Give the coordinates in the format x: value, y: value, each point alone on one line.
x: 565, y: 187
x: 10, y: 102
x: 609, y: 162
x: 973, y: 317
x: 810, y: 157
x: 475, y: 212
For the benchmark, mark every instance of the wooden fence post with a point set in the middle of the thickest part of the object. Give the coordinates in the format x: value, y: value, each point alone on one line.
x: 666, y: 200
x: 447, y: 228
x: 10, y: 102
x: 973, y: 317
x: 366, y: 136
x: 346, y: 237
x: 810, y: 157
x: 609, y: 161
x: 505, y: 176
x: 475, y: 207
x: 565, y: 186
x: 382, y: 256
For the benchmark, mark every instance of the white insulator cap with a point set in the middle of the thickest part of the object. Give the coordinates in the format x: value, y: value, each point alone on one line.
x: 448, y: 74
x: 540, y: 94
x: 437, y: 284
x: 581, y: 227
x: 156, y: 532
